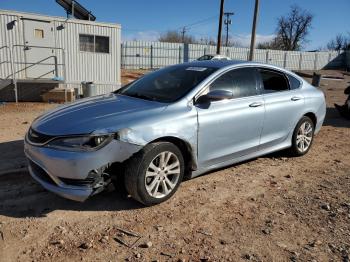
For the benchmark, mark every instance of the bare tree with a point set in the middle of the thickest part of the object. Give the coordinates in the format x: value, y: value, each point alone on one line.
x: 275, y: 44
x: 291, y: 31
x: 340, y: 42
x: 172, y: 36
x: 294, y: 28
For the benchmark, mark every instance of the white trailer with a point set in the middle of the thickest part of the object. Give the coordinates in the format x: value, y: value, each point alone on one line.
x: 39, y: 50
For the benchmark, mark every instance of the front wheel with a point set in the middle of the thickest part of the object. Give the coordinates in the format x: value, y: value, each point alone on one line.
x: 302, y: 137
x: 154, y: 173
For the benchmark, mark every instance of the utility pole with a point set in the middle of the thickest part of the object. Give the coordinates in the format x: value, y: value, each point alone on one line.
x: 218, y: 44
x: 252, y: 40
x: 227, y: 22
x: 183, y: 31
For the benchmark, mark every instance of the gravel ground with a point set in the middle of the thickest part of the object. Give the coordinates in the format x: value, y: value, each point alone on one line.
x: 274, y: 208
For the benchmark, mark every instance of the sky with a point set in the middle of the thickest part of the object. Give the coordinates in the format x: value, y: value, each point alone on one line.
x: 148, y: 19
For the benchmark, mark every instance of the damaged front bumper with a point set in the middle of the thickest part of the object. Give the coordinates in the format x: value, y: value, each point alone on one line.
x: 75, y: 175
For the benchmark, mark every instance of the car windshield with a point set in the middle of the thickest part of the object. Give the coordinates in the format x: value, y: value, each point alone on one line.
x: 167, y: 85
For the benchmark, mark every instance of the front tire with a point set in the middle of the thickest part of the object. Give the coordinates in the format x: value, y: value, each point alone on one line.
x: 302, y: 137
x: 154, y: 173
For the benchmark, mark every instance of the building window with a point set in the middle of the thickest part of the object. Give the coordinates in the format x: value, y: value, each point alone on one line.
x: 92, y: 43
x: 86, y: 43
x: 101, y: 44
x: 39, y: 33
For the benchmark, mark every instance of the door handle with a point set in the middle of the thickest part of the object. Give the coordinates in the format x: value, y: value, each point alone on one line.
x: 295, y: 98
x: 256, y: 104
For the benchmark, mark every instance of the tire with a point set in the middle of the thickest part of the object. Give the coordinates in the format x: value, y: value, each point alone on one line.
x: 144, y: 188
x: 302, y: 142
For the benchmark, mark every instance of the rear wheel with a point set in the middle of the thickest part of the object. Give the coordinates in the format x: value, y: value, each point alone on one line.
x: 154, y: 174
x: 302, y: 137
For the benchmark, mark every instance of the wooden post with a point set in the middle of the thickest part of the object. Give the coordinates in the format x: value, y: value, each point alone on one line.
x: 218, y: 44
x: 252, y: 40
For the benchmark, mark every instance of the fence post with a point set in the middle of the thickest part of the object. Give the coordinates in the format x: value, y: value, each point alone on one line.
x: 186, y: 52
x: 205, y: 50
x: 179, y: 54
x: 248, y: 52
x: 121, y: 55
x: 267, y: 57
x: 300, y: 60
x: 285, y: 59
x: 329, y: 58
x: 315, y: 61
x: 151, y: 56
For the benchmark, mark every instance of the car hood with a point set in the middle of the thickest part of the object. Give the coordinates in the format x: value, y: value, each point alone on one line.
x: 102, y: 113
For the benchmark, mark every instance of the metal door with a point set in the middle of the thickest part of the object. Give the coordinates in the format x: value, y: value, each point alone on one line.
x: 40, y: 58
x: 229, y: 129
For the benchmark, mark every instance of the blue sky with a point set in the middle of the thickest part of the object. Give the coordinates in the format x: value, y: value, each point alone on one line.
x: 146, y: 19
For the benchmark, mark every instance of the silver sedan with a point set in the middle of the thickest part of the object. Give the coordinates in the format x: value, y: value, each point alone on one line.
x: 182, y: 120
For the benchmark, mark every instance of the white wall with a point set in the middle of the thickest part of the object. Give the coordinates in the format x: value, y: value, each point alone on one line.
x: 103, y: 69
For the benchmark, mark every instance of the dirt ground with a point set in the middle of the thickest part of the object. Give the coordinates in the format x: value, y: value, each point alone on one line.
x: 274, y: 208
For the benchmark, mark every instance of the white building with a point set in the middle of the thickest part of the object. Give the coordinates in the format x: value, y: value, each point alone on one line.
x: 39, y: 52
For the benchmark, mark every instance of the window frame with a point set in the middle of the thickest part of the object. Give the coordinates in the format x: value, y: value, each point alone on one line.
x: 262, y: 88
x: 205, y: 89
x: 290, y: 85
x: 94, y: 36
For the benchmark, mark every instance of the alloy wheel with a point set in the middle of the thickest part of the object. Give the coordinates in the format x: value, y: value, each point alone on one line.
x: 162, y: 174
x: 304, y: 136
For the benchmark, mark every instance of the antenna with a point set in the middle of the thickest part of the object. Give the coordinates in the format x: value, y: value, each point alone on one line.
x: 75, y: 9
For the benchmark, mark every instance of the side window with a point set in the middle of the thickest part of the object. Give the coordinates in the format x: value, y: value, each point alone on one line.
x: 242, y: 82
x: 293, y: 82
x: 273, y: 81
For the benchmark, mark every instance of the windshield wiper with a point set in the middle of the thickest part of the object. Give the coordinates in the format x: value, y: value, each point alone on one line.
x: 138, y: 95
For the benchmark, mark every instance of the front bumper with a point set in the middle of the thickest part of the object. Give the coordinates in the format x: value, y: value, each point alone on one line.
x: 60, y: 171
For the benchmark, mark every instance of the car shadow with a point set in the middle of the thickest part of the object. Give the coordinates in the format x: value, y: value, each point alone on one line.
x: 333, y: 118
x: 21, y: 197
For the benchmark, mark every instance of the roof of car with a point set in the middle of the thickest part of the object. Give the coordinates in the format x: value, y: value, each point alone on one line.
x: 215, y: 63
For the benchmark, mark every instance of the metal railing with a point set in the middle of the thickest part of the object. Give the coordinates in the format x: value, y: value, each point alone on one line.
x: 7, y: 58
x: 14, y: 72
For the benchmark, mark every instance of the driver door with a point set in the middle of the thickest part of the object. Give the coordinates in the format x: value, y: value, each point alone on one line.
x: 231, y: 128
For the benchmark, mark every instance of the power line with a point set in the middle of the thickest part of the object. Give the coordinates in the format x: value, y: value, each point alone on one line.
x: 200, y: 21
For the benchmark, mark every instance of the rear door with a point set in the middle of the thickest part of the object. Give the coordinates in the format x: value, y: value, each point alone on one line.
x: 228, y: 129
x: 40, y: 62
x: 283, y: 107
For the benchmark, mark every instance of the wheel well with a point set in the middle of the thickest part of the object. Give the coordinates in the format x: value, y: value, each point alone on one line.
x: 312, y: 117
x: 184, y: 147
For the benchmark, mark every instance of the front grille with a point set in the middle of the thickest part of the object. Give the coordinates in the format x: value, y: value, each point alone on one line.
x: 89, y: 181
x: 41, y: 173
x: 38, y: 138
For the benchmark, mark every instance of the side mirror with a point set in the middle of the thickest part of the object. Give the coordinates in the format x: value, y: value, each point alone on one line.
x: 215, y: 95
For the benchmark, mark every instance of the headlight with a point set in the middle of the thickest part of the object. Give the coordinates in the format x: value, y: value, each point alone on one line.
x: 80, y: 143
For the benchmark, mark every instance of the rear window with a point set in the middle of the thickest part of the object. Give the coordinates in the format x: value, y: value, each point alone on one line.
x: 273, y: 81
x: 293, y: 82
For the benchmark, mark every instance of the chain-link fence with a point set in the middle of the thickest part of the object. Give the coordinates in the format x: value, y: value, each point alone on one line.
x: 151, y: 55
